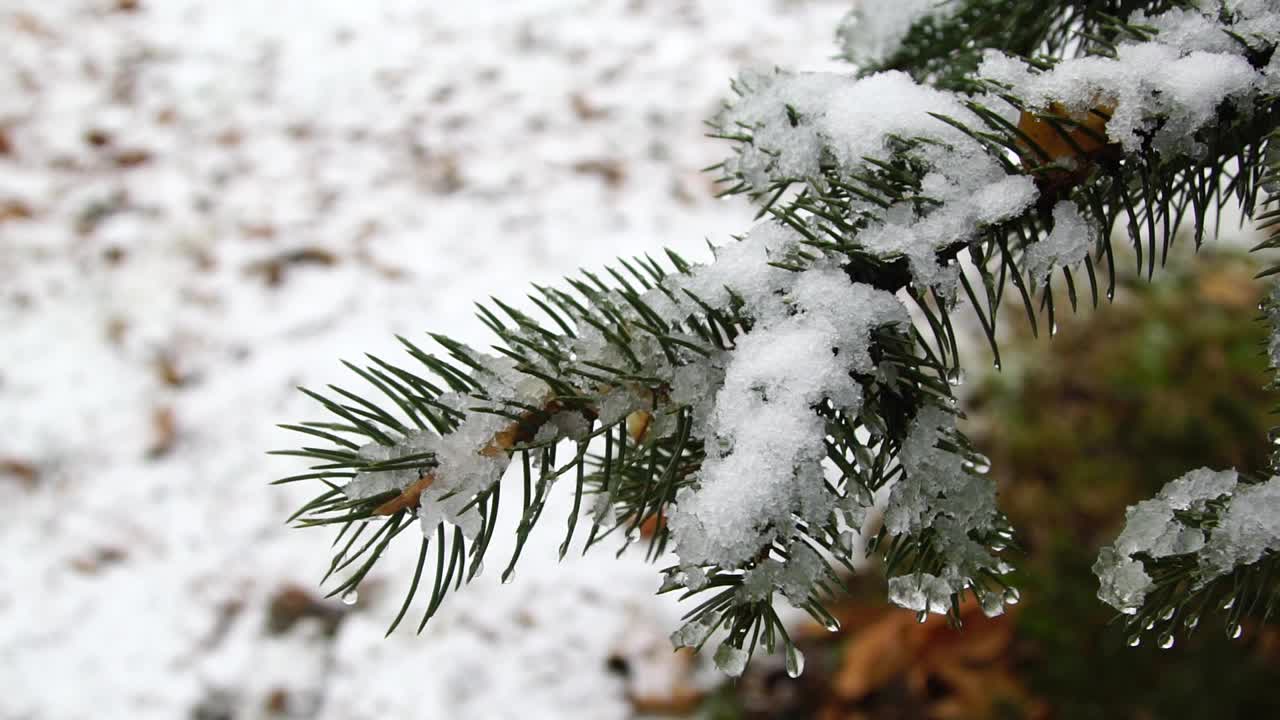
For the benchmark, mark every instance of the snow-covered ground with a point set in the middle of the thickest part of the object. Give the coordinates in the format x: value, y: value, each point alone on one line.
x: 204, y: 204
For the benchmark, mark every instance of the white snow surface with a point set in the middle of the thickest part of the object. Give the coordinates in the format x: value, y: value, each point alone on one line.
x: 160, y: 162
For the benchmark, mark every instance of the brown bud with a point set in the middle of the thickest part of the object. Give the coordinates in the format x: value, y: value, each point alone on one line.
x: 638, y: 425
x: 1080, y: 139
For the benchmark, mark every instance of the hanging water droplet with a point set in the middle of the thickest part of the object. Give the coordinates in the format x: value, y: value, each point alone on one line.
x: 350, y: 597
x: 1234, y: 631
x: 1166, y: 641
x: 508, y: 576
x: 1274, y: 434
x: 996, y: 364
x: 980, y: 464
x: 1111, y: 294
x: 1135, y: 640
x: 1053, y: 328
x: 1012, y: 596
x: 831, y: 624
x: 731, y: 660
x: 1150, y: 624
x: 1229, y: 604
x: 1168, y: 614
x: 794, y: 662
x: 921, y: 617
x: 955, y: 377
x: 992, y: 603
x: 1192, y: 622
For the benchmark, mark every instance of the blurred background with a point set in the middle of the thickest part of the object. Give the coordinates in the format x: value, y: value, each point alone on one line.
x: 205, y: 204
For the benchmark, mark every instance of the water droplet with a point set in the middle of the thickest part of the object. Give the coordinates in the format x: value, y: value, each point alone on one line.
x: 996, y: 364
x: 1150, y: 624
x: 1166, y: 642
x: 1192, y: 622
x: 1111, y: 294
x: 508, y: 576
x: 1229, y: 604
x: 1234, y: 631
x: 794, y: 662
x: 980, y: 464
x: 921, y: 617
x: 1012, y: 596
x: 1053, y: 328
x: 955, y: 377
x: 1168, y: 614
x: 1135, y: 640
x: 350, y: 597
x: 731, y: 660
x: 831, y: 624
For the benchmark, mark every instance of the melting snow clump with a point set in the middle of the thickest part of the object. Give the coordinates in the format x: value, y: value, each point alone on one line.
x: 1248, y: 526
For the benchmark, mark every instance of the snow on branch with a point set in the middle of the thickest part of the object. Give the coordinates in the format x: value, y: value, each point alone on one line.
x: 757, y: 402
x: 1200, y: 529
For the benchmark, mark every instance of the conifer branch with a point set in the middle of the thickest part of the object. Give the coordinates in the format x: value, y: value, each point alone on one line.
x: 750, y: 409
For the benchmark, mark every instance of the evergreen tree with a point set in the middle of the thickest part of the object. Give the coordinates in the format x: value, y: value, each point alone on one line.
x: 750, y: 409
